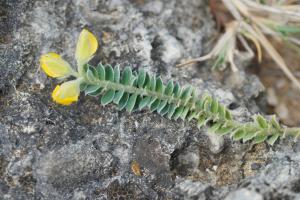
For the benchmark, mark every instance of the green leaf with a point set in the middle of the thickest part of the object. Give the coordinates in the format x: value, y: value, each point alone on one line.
x: 147, y: 81
x: 131, y: 102
x: 96, y: 93
x: 100, y: 72
x: 152, y: 83
x: 83, y: 86
x: 154, y: 105
x: 193, y: 97
x: 171, y: 110
x: 109, y: 73
x: 261, y: 121
x: 228, y: 115
x: 207, y: 104
x: 123, y: 101
x: 222, y: 111
x: 199, y: 104
x: 169, y: 88
x: 287, y: 30
x: 144, y: 102
x: 85, y: 67
x: 159, y: 85
x: 273, y: 139
x: 141, y: 78
x: 164, y: 110
x: 177, y: 90
x: 118, y: 96
x: 214, y: 106
x: 250, y: 135
x: 239, y: 134
x: 192, y: 115
x: 152, y: 100
x: 137, y: 103
x: 133, y: 81
x: 117, y: 74
x: 214, y: 127
x: 91, y: 88
x: 184, y: 112
x: 260, y: 138
x: 127, y: 76
x: 178, y: 112
x: 275, y: 123
x: 162, y: 105
x: 107, y: 97
x: 91, y: 74
x: 223, y: 130
x: 186, y: 94
x: 205, y: 96
x: 147, y: 84
x: 202, y: 120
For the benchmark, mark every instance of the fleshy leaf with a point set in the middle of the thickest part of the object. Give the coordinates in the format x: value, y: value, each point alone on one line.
x: 144, y: 102
x: 131, y: 102
x: 261, y: 137
x: 91, y: 88
x: 118, y: 96
x: 141, y: 78
x: 169, y: 88
x: 159, y: 85
x: 107, y: 97
x: 100, y: 71
x: 109, y: 73
x: 117, y: 74
x: 127, y: 76
x: 273, y: 139
x: 261, y: 121
x: 171, y: 110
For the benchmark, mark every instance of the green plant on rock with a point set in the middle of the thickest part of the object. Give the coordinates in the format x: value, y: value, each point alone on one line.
x: 135, y: 90
x: 138, y: 90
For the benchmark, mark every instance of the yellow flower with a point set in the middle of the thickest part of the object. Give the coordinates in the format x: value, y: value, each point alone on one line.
x: 54, y: 66
x: 86, y: 47
x: 67, y: 92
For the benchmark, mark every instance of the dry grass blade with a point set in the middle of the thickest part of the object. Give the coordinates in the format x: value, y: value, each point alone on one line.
x: 227, y: 40
x: 195, y: 60
x: 261, y: 19
x: 257, y: 45
x: 275, y: 55
x: 257, y: 7
x: 242, y: 6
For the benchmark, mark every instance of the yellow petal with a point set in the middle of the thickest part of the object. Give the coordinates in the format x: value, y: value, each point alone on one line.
x: 54, y: 66
x: 86, y: 47
x: 66, y: 93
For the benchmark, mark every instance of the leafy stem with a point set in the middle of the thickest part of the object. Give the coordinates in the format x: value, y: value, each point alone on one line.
x: 138, y: 90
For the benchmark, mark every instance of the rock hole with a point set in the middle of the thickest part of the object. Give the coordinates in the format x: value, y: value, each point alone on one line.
x: 233, y: 106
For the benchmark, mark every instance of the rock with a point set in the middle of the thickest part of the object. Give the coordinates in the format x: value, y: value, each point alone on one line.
x: 193, y: 190
x: 244, y: 194
x: 86, y: 151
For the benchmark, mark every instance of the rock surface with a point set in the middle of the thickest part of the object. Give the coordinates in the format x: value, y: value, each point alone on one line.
x: 86, y: 151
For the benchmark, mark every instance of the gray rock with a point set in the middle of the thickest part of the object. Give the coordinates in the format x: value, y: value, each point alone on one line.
x: 244, y: 194
x: 86, y: 151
